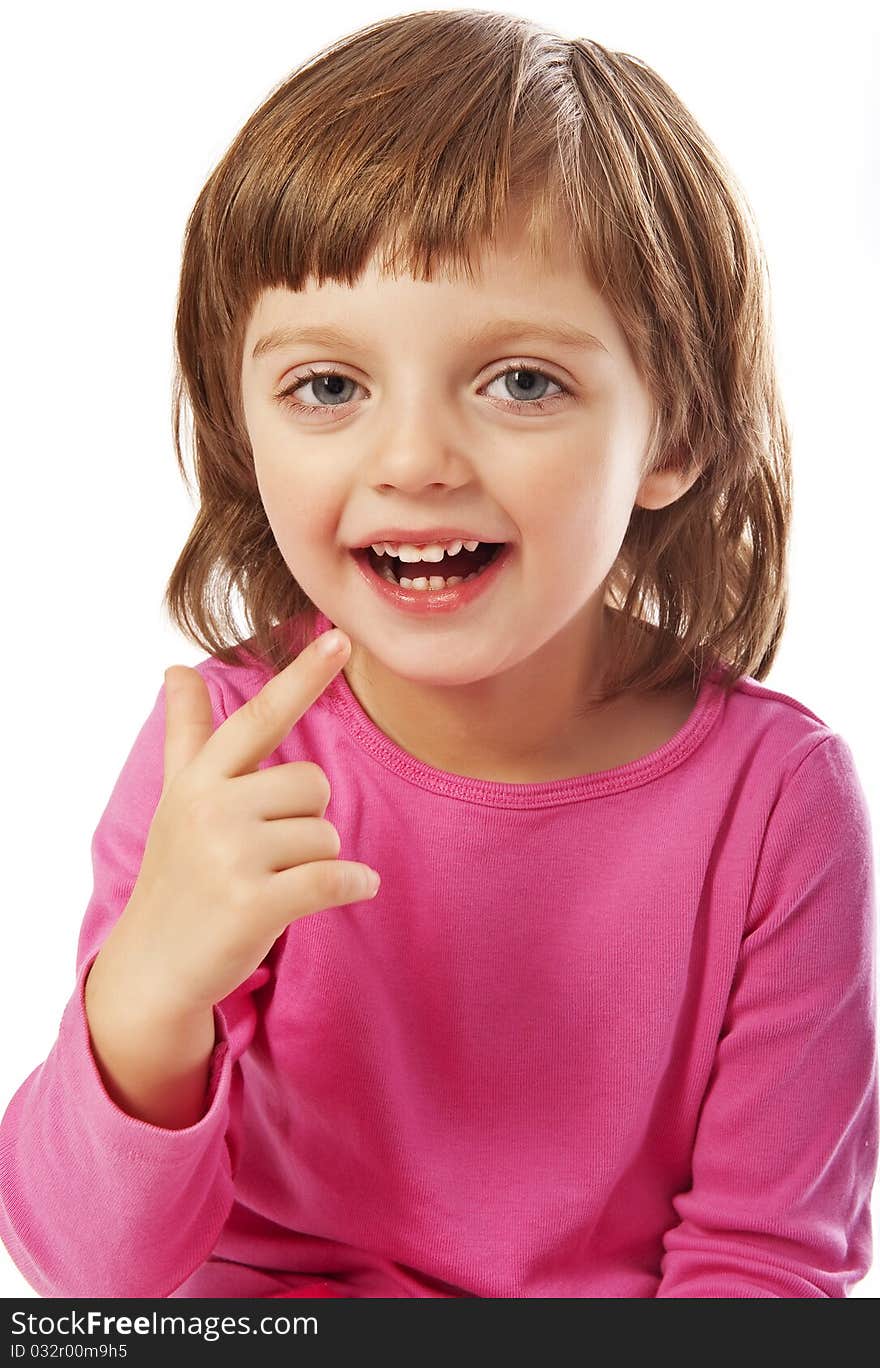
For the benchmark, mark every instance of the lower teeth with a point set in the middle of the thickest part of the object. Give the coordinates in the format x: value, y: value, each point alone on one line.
x: 431, y: 582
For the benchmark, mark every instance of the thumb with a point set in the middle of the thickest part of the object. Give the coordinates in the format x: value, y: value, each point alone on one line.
x: 189, y: 721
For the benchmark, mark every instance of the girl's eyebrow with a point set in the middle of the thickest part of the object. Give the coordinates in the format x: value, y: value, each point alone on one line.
x: 500, y: 329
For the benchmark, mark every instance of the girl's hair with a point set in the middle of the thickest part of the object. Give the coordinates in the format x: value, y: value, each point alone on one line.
x: 414, y: 136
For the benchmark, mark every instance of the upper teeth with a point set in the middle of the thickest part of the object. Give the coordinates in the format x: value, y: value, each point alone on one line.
x: 407, y: 552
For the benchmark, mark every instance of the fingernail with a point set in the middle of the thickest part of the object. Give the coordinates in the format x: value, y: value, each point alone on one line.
x: 331, y: 643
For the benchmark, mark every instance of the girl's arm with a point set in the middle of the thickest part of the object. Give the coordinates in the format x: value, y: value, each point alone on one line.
x: 153, y: 1067
x: 785, y: 1153
x: 95, y: 1202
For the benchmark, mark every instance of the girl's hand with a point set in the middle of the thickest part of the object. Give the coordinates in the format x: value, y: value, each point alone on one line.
x: 234, y: 853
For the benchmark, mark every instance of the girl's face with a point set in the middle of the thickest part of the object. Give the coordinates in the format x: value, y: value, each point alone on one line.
x: 421, y: 427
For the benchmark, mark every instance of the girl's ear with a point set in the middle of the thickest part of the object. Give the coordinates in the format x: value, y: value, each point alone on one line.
x: 663, y: 487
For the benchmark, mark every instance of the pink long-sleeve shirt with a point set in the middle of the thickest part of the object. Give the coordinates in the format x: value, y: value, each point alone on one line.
x: 606, y: 1036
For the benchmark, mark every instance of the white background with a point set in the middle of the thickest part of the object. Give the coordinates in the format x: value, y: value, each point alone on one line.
x: 113, y: 117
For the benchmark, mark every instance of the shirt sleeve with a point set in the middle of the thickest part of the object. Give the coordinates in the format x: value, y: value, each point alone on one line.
x: 95, y: 1202
x: 785, y: 1152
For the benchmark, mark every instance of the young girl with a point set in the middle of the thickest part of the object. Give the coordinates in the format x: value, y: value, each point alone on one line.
x: 474, y: 330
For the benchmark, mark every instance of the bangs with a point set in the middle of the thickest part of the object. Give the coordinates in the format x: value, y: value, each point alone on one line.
x: 407, y: 169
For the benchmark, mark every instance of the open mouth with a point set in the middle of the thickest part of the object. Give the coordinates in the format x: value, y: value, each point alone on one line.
x: 449, y: 571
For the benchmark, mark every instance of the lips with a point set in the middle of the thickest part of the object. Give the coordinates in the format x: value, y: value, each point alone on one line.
x: 431, y: 603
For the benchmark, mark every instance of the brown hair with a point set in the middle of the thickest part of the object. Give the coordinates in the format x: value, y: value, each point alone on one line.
x: 415, y: 135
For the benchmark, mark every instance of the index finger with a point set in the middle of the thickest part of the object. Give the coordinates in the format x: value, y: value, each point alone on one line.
x: 259, y: 726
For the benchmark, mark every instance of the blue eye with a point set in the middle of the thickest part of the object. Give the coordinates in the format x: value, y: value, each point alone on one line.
x: 307, y: 379
x: 539, y: 403
x: 287, y: 396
